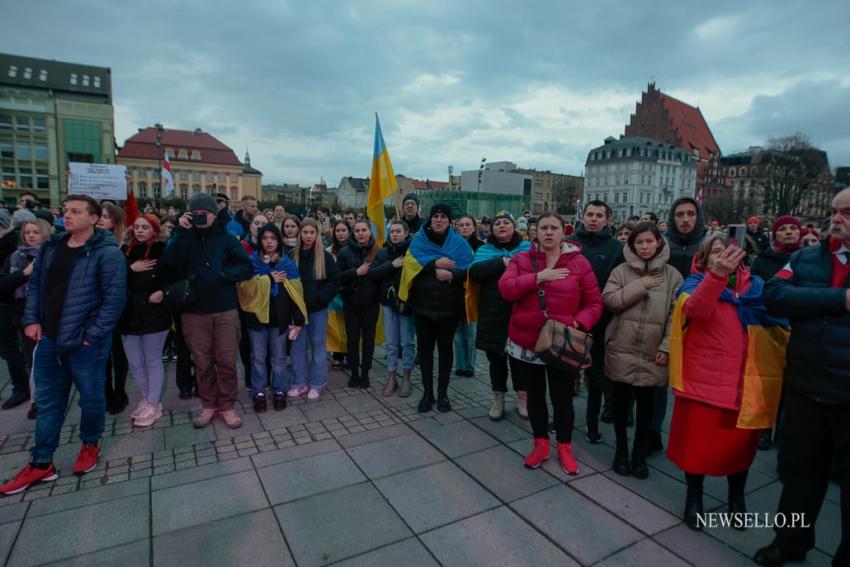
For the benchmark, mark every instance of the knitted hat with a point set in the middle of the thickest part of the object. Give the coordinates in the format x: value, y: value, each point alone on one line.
x: 203, y: 202
x: 5, y: 219
x: 784, y: 219
x: 441, y: 208
x: 753, y: 220
x: 410, y: 197
x: 20, y: 216
x: 502, y: 215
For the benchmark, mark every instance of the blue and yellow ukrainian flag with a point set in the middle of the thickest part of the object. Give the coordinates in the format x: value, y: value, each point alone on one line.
x: 765, y: 363
x: 483, y: 254
x: 422, y: 251
x: 382, y: 184
x: 255, y: 294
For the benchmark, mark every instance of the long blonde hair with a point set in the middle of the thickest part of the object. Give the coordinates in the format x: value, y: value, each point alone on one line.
x: 319, y: 272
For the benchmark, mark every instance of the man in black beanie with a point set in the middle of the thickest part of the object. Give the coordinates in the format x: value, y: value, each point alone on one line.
x: 202, y: 251
x: 410, y: 212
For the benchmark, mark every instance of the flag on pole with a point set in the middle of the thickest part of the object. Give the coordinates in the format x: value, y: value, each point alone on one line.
x: 382, y: 185
x: 700, y: 195
x: 167, y: 178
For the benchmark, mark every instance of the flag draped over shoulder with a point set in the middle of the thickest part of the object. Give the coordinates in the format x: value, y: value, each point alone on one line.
x: 336, y: 337
x: 382, y: 184
x: 486, y: 252
x: 765, y: 359
x: 422, y: 251
x: 255, y: 294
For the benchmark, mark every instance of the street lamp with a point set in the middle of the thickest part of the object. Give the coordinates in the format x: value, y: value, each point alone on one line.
x: 481, y: 172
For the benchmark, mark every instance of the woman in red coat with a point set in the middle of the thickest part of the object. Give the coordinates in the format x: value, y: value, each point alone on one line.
x: 704, y: 437
x: 572, y: 297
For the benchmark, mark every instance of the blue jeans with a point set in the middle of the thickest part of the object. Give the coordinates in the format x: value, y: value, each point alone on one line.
x: 465, y: 345
x: 314, y: 371
x: 54, y: 374
x: 267, y: 342
x: 398, y: 339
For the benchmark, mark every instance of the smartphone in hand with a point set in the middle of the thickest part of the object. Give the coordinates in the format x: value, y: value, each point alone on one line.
x: 736, y: 235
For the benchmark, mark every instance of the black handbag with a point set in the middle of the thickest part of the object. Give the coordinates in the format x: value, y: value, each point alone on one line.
x: 179, y: 295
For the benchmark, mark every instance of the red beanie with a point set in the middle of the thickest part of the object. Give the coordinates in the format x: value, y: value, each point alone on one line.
x: 753, y: 219
x: 784, y: 219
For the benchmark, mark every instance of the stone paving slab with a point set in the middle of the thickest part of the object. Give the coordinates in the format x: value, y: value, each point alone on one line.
x: 644, y: 552
x: 435, y: 495
x: 410, y: 553
x: 491, y: 539
x: 339, y: 524
x: 488, y: 467
x: 136, y: 554
x: 248, y: 539
x: 459, y: 438
x: 107, y: 524
x: 312, y: 475
x: 391, y: 456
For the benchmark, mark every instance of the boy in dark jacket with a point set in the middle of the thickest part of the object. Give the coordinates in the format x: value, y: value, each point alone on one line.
x: 75, y: 296
x: 604, y: 252
x: 201, y: 250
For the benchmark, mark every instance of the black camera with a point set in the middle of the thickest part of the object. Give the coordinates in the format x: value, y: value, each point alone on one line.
x: 199, y: 219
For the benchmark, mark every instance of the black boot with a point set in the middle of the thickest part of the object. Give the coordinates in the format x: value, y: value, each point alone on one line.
x: 693, y: 501
x: 443, y: 404
x: 737, y: 501
x: 639, y: 468
x: 354, y: 381
x: 364, y: 378
x: 426, y: 404
x: 621, y: 460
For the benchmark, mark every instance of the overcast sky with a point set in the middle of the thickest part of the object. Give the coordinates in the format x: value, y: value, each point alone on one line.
x: 537, y: 83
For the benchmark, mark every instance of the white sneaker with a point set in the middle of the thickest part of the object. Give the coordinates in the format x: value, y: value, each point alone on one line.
x: 140, y: 408
x: 314, y: 394
x: 296, y: 391
x: 149, y: 416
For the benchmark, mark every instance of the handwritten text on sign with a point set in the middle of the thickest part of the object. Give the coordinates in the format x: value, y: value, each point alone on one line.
x: 98, y: 180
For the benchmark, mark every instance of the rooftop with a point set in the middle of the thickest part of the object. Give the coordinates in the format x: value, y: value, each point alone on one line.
x: 57, y: 76
x: 142, y: 145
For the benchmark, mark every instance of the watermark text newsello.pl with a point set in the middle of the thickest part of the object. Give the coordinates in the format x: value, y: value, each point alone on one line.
x: 752, y: 520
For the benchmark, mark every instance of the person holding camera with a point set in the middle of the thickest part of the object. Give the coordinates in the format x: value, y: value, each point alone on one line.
x: 213, y: 261
x: 398, y: 319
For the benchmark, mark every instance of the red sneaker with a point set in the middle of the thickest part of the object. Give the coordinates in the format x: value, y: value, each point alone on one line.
x: 28, y: 475
x: 87, y: 459
x: 538, y: 454
x: 568, y: 461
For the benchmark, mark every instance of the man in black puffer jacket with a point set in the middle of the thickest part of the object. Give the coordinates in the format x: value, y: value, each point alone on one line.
x: 214, y: 258
x: 494, y: 313
x: 813, y: 291
x: 604, y: 252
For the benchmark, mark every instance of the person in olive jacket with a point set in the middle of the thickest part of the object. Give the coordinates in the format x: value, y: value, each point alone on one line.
x: 359, y: 300
x: 494, y: 313
x: 398, y: 320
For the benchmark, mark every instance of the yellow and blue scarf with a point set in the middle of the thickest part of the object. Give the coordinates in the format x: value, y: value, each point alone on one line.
x: 486, y: 252
x: 255, y: 294
x: 423, y: 250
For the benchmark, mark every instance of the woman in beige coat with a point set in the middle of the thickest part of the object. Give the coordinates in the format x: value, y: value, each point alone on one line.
x: 641, y: 293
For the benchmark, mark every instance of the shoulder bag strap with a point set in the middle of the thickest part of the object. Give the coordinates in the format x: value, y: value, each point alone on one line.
x: 541, y: 296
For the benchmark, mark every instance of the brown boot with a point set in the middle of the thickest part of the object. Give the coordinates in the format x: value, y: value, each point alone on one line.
x: 391, y: 385
x: 405, y: 390
x: 205, y: 418
x: 231, y: 420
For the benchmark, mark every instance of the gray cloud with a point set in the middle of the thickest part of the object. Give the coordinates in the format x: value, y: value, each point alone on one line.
x: 538, y: 84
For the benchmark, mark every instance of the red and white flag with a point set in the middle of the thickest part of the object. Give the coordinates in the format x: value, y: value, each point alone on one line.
x: 167, y: 178
x: 700, y: 196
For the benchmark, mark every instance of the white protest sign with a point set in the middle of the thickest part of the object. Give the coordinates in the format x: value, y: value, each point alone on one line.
x: 98, y: 180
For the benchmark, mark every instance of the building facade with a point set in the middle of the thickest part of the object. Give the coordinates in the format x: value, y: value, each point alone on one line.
x: 498, y: 177
x: 200, y: 163
x: 553, y: 191
x: 659, y: 116
x: 51, y: 113
x: 638, y: 175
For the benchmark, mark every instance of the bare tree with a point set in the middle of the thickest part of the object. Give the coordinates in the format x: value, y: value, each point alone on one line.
x: 728, y: 208
x: 795, y: 175
x: 564, y: 196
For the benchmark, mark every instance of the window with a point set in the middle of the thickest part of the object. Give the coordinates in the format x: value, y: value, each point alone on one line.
x: 156, y: 191
x: 9, y: 180
x: 22, y: 123
x: 234, y: 194
x: 210, y: 176
x: 184, y: 175
x: 196, y: 176
x: 743, y: 172
x: 143, y: 190
x: 196, y: 155
x: 182, y: 154
x: 82, y: 140
x: 39, y: 125
x: 156, y: 173
x: 142, y: 172
x: 184, y: 191
x: 169, y: 153
x: 6, y: 150
x: 42, y: 179
x: 196, y: 189
x: 731, y: 172
x: 5, y: 121
x: 24, y: 151
x: 42, y: 75
x: 97, y: 82
x: 73, y: 78
x: 86, y: 80
x: 25, y: 174
x: 13, y: 71
x: 27, y: 72
x: 40, y: 151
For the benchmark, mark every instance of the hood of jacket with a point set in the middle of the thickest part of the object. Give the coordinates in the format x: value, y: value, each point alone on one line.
x: 593, y: 237
x: 655, y: 264
x: 673, y: 232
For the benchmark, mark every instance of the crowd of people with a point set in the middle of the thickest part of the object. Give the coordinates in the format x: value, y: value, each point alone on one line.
x: 752, y: 337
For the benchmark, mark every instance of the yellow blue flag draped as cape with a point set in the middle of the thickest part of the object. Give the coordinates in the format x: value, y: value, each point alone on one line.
x: 255, y: 294
x: 765, y: 363
x: 423, y: 251
x: 486, y: 252
x: 382, y: 184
